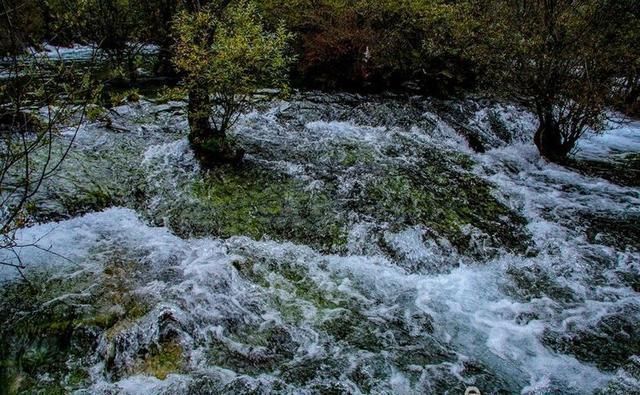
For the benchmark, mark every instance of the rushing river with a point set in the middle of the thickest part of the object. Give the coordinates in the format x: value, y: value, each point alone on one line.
x: 363, y: 247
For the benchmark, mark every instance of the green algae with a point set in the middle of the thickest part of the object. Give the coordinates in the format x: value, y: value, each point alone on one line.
x: 256, y: 203
x: 349, y: 154
x: 623, y: 170
x: 354, y: 329
x: 608, y: 343
x: 445, y: 201
x: 296, y: 281
x: 252, y: 349
x: 619, y: 231
x: 161, y: 361
x: 528, y: 283
x: 89, y: 181
x: 36, y: 340
x: 50, y: 325
x: 439, y: 193
x: 334, y: 314
x: 90, y: 198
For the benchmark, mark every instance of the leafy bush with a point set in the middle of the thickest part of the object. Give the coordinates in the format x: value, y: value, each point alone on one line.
x: 226, y: 55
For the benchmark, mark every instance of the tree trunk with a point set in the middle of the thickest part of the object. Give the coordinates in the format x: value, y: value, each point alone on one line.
x: 167, y: 11
x: 548, y: 139
x: 199, y: 109
x: 209, y: 144
x: 165, y: 65
x: 132, y: 70
x: 632, y: 101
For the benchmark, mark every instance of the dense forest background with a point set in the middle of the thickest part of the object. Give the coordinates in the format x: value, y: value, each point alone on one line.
x: 436, y: 46
x: 565, y: 60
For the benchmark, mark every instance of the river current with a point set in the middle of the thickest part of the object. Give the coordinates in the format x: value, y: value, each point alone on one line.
x: 363, y: 247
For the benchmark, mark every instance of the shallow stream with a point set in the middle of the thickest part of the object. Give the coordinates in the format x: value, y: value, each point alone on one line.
x: 363, y: 247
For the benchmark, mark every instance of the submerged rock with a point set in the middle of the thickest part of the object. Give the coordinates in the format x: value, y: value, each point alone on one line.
x: 608, y: 341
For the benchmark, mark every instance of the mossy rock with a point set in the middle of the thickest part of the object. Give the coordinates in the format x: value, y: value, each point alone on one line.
x: 528, y: 283
x: 608, y: 343
x: 623, y: 171
x: 125, y: 96
x: 95, y: 113
x: 305, y: 371
x: 626, y: 380
x: 371, y: 373
x: 257, y: 203
x: 161, y: 361
x: 619, y: 231
x: 355, y: 329
x: 444, y: 201
x: 252, y: 350
x: 51, y: 326
x: 36, y: 340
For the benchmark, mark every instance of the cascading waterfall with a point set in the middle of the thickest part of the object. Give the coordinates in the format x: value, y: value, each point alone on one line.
x: 363, y: 248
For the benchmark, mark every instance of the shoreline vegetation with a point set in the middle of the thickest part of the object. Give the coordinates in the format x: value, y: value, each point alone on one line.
x: 558, y: 58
